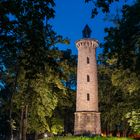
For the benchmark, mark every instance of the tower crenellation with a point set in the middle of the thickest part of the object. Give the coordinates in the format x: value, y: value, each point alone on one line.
x: 87, y: 42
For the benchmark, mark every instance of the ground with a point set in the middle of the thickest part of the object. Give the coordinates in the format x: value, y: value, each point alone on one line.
x: 87, y: 138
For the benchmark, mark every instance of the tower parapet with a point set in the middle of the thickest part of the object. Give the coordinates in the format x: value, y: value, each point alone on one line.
x: 87, y: 42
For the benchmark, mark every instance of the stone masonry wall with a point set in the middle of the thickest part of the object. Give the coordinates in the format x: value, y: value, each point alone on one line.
x: 86, y: 48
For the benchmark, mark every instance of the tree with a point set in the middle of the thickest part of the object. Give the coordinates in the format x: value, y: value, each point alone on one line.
x: 121, y: 53
x: 113, y: 104
x: 27, y: 46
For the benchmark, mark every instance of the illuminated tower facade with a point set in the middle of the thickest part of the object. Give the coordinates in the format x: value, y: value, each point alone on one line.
x: 87, y: 116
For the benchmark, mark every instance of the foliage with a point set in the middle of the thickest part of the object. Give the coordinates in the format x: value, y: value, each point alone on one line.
x: 112, y: 102
x: 130, y: 82
x: 35, y: 71
x: 57, y: 126
x: 104, y: 5
x: 134, y: 120
x: 46, y: 92
x: 123, y: 43
x: 4, y: 111
x: 121, y: 55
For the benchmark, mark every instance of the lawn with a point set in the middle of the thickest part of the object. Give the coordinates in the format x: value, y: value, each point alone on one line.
x: 86, y: 138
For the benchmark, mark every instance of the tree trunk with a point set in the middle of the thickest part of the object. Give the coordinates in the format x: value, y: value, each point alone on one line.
x: 107, y: 129
x: 25, y: 122
x: 118, y: 134
x: 36, y: 136
x: 21, y: 124
x: 11, y: 103
x: 10, y: 118
x: 124, y: 133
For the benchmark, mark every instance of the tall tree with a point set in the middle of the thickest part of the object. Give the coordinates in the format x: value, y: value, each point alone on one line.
x: 47, y: 92
x: 121, y: 52
x: 113, y: 104
x: 26, y: 46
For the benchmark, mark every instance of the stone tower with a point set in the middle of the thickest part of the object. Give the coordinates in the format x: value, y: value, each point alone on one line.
x: 87, y: 117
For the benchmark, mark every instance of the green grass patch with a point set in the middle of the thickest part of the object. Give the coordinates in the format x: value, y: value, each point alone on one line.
x: 86, y: 138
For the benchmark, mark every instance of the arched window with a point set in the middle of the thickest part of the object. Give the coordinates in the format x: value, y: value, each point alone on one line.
x: 88, y: 78
x: 87, y: 60
x: 88, y: 97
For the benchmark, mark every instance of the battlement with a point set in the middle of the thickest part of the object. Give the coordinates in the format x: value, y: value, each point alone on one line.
x: 87, y: 42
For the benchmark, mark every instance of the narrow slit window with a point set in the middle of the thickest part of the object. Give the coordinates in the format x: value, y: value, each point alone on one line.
x: 88, y: 97
x: 87, y: 60
x: 88, y: 78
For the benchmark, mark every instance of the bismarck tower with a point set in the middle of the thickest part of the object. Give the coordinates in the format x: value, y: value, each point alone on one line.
x: 87, y: 116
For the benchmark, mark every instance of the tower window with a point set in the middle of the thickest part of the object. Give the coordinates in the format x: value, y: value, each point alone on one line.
x: 87, y: 60
x: 88, y: 97
x: 88, y: 78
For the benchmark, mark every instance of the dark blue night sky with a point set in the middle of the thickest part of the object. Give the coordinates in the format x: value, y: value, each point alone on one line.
x: 73, y: 15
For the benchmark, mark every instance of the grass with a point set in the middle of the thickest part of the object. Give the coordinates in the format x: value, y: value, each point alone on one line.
x: 86, y: 138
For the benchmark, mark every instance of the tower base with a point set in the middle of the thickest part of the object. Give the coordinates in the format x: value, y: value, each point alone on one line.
x: 87, y: 123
